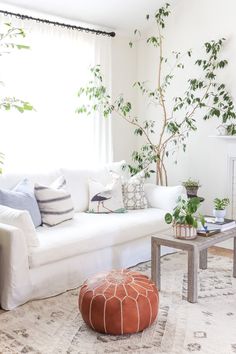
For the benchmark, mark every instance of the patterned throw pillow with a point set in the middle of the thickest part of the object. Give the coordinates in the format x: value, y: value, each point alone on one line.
x: 133, y: 192
x: 55, y: 203
x: 106, y: 198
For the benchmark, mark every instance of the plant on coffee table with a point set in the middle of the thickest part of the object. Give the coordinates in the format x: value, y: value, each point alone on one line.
x: 219, y: 208
x: 183, y: 218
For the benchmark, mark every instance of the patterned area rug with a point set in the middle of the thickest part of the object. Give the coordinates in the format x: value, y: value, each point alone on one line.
x: 54, y: 326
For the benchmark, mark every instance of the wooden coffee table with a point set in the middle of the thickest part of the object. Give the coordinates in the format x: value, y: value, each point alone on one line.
x: 197, y: 255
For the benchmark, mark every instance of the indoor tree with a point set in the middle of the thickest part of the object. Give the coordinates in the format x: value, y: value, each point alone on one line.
x: 170, y: 127
x: 9, y: 42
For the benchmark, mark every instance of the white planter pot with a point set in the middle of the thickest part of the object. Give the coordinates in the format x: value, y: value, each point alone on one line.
x: 219, y: 215
x: 186, y: 232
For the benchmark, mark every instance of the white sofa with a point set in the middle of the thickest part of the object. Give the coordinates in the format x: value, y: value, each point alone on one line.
x: 72, y: 251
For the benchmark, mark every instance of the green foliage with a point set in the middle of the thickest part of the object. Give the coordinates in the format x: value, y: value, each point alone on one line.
x: 204, y: 97
x: 184, y: 212
x: 221, y: 204
x: 231, y: 129
x: 191, y: 183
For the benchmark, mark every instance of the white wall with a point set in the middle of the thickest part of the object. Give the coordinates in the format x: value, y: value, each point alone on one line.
x: 124, y: 66
x: 190, y: 24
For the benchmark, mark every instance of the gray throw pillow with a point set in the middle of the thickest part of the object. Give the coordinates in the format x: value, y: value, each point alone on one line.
x: 22, y: 197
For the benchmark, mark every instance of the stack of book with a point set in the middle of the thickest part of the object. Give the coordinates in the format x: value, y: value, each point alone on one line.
x: 212, y: 227
x: 223, y: 226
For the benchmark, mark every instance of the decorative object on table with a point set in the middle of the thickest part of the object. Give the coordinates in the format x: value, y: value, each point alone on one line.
x: 165, y: 132
x: 211, y: 223
x: 208, y: 232
x: 191, y: 187
x: 219, y: 210
x: 183, y: 220
x: 119, y: 302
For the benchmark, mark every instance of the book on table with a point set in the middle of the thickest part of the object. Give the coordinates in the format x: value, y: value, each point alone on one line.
x: 225, y: 225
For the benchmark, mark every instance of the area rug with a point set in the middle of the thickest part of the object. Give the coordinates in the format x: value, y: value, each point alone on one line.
x: 54, y: 326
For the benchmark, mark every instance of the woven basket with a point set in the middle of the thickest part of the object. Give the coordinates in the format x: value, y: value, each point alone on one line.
x: 185, y: 232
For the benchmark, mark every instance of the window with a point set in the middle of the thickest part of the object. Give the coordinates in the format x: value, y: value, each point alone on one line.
x: 49, y: 76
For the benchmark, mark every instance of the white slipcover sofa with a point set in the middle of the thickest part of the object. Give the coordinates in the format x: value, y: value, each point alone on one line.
x: 70, y: 252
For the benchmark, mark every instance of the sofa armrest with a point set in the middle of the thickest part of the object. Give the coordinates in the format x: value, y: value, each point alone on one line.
x: 162, y: 197
x: 14, y: 267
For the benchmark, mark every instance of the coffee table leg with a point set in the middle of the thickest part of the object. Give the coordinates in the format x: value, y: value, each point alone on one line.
x: 234, y: 260
x: 193, y: 259
x: 156, y: 264
x: 203, y: 259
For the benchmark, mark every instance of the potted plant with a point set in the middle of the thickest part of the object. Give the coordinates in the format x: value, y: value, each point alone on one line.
x: 183, y: 219
x: 191, y: 187
x: 219, y: 210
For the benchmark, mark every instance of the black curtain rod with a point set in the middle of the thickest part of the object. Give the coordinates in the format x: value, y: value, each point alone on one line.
x: 79, y: 28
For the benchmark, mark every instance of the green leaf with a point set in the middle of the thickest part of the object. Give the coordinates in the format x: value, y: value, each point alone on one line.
x: 168, y: 218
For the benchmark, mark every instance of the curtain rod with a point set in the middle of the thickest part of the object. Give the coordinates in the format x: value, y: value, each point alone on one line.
x: 55, y: 23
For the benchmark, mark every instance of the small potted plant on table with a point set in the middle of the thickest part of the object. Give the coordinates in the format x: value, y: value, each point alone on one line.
x: 184, y: 221
x: 219, y: 210
x: 191, y: 187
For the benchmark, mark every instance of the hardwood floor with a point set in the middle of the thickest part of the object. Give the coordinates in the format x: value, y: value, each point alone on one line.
x: 220, y: 251
x: 217, y: 251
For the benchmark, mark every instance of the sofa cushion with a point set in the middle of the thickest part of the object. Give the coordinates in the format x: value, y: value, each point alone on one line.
x: 88, y: 232
x: 163, y: 197
x: 106, y: 198
x: 54, y: 202
x: 10, y: 180
x: 22, y: 220
x: 22, y: 197
x: 133, y: 192
x: 77, y: 184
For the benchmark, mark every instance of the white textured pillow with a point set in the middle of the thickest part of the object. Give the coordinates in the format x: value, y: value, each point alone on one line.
x: 77, y: 184
x: 55, y: 203
x: 106, y: 198
x: 162, y: 197
x: 133, y: 192
x: 22, y: 220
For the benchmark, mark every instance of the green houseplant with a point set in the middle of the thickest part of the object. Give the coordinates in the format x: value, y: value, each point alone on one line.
x: 8, y: 43
x: 183, y: 218
x: 219, y: 210
x: 191, y: 187
x: 174, y: 117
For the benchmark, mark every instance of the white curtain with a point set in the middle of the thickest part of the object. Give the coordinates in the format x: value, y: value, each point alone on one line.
x: 49, y: 76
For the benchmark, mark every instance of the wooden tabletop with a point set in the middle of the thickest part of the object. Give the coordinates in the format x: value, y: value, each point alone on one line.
x: 166, y: 238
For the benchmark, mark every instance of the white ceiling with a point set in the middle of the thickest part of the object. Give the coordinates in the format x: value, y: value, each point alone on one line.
x: 120, y: 15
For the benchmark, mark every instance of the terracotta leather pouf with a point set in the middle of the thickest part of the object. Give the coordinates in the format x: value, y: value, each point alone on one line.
x: 119, y: 302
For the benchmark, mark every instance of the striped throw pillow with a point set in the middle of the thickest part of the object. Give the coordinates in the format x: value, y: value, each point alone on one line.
x: 55, y: 203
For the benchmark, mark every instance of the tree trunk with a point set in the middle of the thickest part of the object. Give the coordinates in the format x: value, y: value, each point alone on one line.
x: 161, y: 174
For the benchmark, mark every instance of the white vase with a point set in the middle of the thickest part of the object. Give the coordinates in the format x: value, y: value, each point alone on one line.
x: 219, y: 215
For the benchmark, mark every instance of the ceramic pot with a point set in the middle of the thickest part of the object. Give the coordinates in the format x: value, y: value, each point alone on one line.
x: 219, y: 215
x: 185, y: 232
x: 191, y: 191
